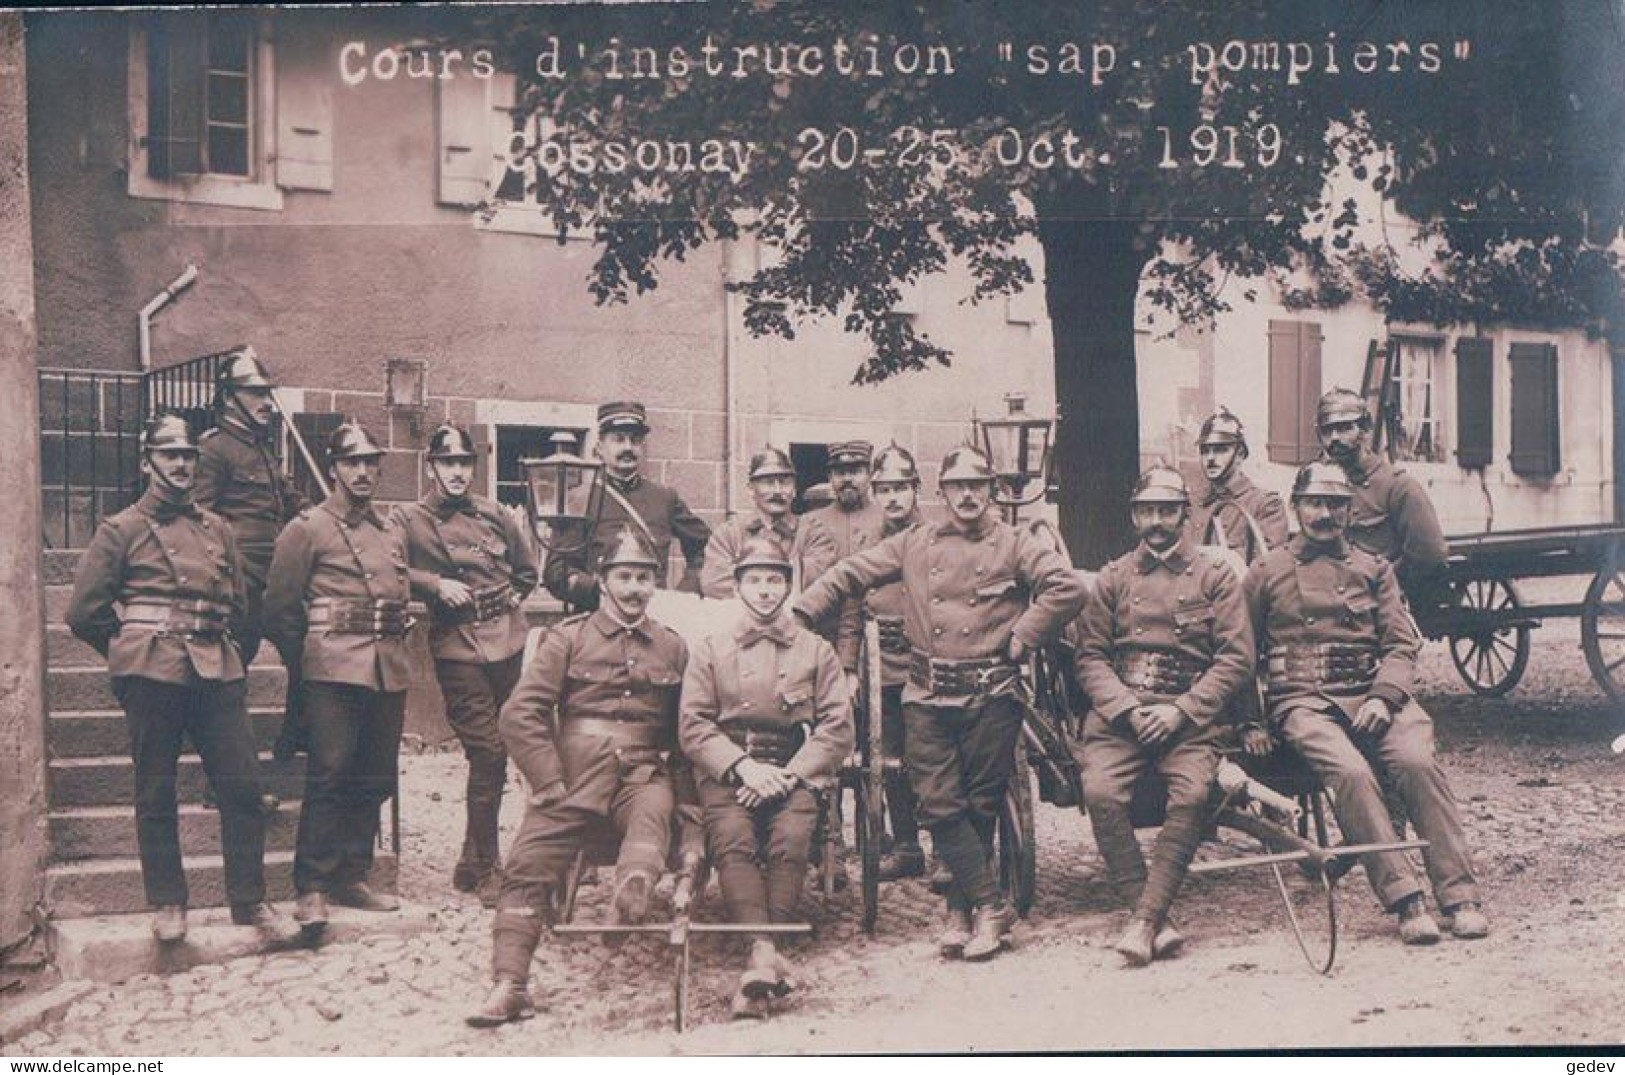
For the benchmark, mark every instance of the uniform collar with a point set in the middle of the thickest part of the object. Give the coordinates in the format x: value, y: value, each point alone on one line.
x: 609, y: 625
x: 242, y: 428
x: 1366, y: 466
x: 1177, y: 560
x: 785, y: 527
x: 445, y: 507
x: 780, y: 630
x: 1306, y: 551
x: 623, y: 485
x: 156, y: 503
x: 888, y: 528
x: 974, y: 532
x: 1231, y: 488
x: 355, y: 513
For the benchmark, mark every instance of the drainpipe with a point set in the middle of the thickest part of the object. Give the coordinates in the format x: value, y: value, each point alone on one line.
x: 158, y: 302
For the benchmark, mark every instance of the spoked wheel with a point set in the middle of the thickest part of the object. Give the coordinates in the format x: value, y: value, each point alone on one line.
x: 1491, y: 659
x: 1018, y: 849
x: 1602, y: 630
x: 1320, y: 955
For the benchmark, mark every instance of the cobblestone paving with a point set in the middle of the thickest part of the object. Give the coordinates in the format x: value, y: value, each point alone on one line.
x: 1542, y: 801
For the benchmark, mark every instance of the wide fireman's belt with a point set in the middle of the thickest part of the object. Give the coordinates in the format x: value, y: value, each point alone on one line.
x: 177, y: 616
x: 1336, y: 668
x: 363, y: 616
x: 949, y: 676
x: 621, y: 731
x: 1158, y: 671
x: 489, y: 604
x: 774, y: 744
x: 892, y: 638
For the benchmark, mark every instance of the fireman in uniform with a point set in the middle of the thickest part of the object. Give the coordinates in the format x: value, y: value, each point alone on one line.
x: 772, y: 490
x: 852, y: 519
x: 593, y: 728
x: 1392, y: 516
x: 1232, y: 510
x: 766, y: 718
x: 980, y: 595
x: 472, y: 564
x: 895, y: 487
x: 1165, y: 647
x: 337, y: 607
x: 158, y: 592
x: 1339, y: 652
x: 628, y: 500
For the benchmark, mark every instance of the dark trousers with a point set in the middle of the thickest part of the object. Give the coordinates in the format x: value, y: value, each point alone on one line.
x: 635, y: 798
x: 214, y: 716
x: 960, y: 760
x: 1347, y: 763
x: 760, y: 855
x: 1113, y: 762
x: 474, y: 696
x: 905, y: 827
x: 354, y: 736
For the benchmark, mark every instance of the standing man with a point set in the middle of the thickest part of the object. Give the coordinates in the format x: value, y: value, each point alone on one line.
x: 593, y: 726
x: 895, y: 484
x: 766, y: 718
x: 980, y: 595
x: 336, y: 607
x: 1392, y: 516
x: 1241, y: 516
x: 473, y: 565
x: 852, y: 519
x: 1340, y: 653
x: 629, y: 500
x: 158, y: 591
x: 1165, y: 647
x: 772, y: 489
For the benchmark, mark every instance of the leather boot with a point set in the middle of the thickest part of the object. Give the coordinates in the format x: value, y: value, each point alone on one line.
x: 763, y: 976
x: 1416, y: 926
x: 489, y: 887
x: 169, y: 924
x: 1137, y: 945
x: 956, y: 932
x: 990, y: 931
x: 630, y: 905
x: 363, y: 897
x: 1468, y: 921
x: 743, y: 1006
x: 507, y: 1002
x: 311, y: 912
x: 902, y: 861
x: 465, y: 877
x: 274, y: 930
x: 1168, y: 942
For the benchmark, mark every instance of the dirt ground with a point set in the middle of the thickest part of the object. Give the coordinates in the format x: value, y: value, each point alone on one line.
x: 1543, y: 801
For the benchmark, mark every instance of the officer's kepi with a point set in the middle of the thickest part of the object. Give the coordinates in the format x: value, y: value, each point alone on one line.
x: 623, y: 415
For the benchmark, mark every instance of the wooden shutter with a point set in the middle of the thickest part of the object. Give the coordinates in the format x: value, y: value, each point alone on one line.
x: 463, y: 133
x: 1535, y: 434
x: 1294, y: 357
x: 483, y: 463
x: 315, y: 427
x: 1475, y: 402
x: 177, y: 47
x: 305, y: 64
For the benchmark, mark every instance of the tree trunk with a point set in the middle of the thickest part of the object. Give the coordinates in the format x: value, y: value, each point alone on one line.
x: 1092, y: 273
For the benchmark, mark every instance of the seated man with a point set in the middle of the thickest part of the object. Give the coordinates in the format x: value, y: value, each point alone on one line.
x: 765, y: 718
x: 1165, y: 647
x: 1339, y: 652
x: 613, y: 676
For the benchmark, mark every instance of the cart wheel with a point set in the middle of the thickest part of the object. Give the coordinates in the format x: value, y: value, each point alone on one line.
x: 1491, y: 660
x: 1602, y: 630
x: 1018, y: 849
x: 1320, y: 960
x: 868, y: 818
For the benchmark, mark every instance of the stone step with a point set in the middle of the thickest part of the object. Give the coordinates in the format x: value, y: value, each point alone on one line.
x: 113, y: 886
x: 110, y: 781
x: 69, y: 690
x: 100, y: 733
x: 105, y: 832
x: 62, y: 650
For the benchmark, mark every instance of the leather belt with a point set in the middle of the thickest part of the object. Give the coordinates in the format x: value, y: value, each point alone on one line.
x: 947, y: 676
x: 892, y: 637
x: 361, y: 616
x: 489, y: 604
x: 1339, y: 668
x: 774, y: 744
x: 175, y: 616
x: 1158, y: 671
x: 631, y: 733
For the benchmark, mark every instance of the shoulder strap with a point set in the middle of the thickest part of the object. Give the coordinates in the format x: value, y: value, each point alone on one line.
x: 631, y: 512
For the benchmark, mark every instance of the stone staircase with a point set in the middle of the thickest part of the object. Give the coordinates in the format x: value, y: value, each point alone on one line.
x: 95, y: 869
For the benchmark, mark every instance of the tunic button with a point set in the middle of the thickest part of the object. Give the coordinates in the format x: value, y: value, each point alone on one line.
x: 626, y: 694
x: 369, y: 574
x: 1139, y: 630
x: 936, y: 600
x: 1309, y: 619
x: 937, y: 631
x: 783, y: 674
x: 182, y: 578
x: 1135, y: 601
x: 978, y: 571
x: 964, y: 630
x: 973, y: 600
x: 174, y: 552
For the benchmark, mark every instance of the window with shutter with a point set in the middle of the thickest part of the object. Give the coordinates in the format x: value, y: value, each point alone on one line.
x: 1475, y: 402
x: 1536, y: 445
x: 1415, y: 422
x: 304, y: 108
x: 463, y: 140
x: 1294, y: 358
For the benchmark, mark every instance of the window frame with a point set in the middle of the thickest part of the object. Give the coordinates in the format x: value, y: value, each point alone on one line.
x: 259, y: 190
x: 1441, y: 384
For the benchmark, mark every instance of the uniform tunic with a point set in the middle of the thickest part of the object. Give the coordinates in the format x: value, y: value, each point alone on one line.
x: 176, y: 686
x: 1394, y: 518
x: 811, y: 551
x: 1305, y: 594
x: 239, y: 476
x: 570, y: 577
x: 1232, y: 503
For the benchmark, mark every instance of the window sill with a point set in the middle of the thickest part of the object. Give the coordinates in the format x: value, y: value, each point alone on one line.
x: 208, y: 190
x: 508, y: 219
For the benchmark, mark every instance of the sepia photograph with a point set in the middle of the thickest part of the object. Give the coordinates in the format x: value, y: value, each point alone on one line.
x: 808, y: 527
